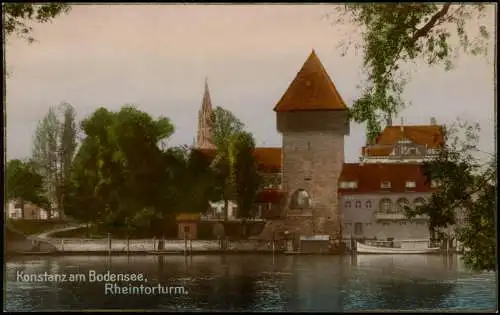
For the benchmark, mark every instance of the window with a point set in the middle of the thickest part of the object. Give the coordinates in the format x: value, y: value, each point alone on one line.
x: 349, y: 185
x: 403, y: 204
x: 385, y: 205
x: 347, y: 204
x: 300, y: 200
x: 368, y: 204
x: 412, y: 151
x: 435, y: 183
x: 358, y: 228
x: 411, y: 184
x: 385, y: 184
x: 358, y: 204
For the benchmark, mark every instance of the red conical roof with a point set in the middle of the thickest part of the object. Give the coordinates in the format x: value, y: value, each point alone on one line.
x: 312, y: 89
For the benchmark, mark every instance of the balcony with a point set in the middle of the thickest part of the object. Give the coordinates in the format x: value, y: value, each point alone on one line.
x: 379, y: 215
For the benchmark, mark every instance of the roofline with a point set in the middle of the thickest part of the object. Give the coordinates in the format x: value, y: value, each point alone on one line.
x: 311, y: 110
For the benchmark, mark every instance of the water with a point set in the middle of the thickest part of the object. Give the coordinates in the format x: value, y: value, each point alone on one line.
x: 258, y: 283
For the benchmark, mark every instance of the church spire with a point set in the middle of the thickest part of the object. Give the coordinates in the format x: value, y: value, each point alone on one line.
x: 207, y: 102
x: 204, y: 132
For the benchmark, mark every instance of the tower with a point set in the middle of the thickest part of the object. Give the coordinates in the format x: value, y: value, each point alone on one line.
x: 312, y: 119
x: 204, y: 132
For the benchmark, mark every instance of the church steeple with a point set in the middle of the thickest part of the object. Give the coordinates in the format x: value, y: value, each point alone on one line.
x: 204, y: 132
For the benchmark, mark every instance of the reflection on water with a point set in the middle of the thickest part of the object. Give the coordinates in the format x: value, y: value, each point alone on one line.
x: 259, y: 283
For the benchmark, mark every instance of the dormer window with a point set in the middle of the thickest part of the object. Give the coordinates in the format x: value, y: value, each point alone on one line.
x: 410, y: 184
x: 412, y: 151
x: 349, y: 185
x: 385, y: 184
x: 435, y: 183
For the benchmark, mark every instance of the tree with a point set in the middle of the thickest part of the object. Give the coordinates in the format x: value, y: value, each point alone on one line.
x: 54, y: 147
x: 225, y: 127
x: 394, y: 35
x: 246, y: 177
x: 24, y: 184
x: 119, y: 170
x: 465, y: 200
x: 17, y: 17
x: 192, y: 181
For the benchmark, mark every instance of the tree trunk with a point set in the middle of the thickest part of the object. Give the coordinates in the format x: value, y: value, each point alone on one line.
x: 226, y: 209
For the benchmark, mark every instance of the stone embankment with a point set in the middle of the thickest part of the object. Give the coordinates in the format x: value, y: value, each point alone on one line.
x: 151, y: 246
x: 45, y: 244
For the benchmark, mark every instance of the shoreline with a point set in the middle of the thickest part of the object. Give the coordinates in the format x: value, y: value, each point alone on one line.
x: 202, y: 253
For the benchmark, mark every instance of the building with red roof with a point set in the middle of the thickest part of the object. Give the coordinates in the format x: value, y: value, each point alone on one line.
x: 308, y: 180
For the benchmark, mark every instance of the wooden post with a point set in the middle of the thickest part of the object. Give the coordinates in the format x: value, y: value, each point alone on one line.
x: 154, y: 243
x: 109, y: 243
x: 273, y: 245
x: 190, y: 245
x: 128, y: 245
x: 62, y: 245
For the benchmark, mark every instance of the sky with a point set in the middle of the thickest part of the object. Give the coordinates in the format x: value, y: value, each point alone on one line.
x: 158, y: 56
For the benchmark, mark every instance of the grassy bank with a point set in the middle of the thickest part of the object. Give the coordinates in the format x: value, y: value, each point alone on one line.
x: 32, y: 227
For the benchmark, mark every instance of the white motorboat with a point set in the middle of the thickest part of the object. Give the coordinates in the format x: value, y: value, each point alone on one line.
x: 397, y: 247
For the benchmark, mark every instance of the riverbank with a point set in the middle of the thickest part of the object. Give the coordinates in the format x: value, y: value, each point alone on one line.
x: 52, y: 246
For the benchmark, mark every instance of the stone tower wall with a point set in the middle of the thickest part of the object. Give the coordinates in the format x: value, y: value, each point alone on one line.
x: 313, y: 156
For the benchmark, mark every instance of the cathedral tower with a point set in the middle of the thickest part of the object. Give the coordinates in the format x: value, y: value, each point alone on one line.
x: 204, y: 132
x: 312, y: 119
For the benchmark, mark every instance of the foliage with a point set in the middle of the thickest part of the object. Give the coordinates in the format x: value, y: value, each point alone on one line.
x: 54, y: 147
x: 24, y: 183
x: 396, y: 34
x: 191, y: 184
x: 119, y: 177
x: 18, y: 16
x: 246, y: 177
x: 225, y: 127
x: 465, y: 199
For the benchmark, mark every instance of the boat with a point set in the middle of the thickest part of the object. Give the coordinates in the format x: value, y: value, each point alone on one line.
x: 396, y: 247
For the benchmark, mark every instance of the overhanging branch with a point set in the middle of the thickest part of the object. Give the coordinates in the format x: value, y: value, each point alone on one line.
x: 424, y: 30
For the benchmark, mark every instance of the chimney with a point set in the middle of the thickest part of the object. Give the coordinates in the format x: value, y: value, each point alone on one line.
x: 433, y: 121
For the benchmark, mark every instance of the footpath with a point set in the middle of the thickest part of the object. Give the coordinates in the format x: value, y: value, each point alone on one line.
x: 45, y: 244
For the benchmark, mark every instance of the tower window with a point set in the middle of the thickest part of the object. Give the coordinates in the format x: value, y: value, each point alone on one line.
x: 300, y: 200
x: 357, y: 204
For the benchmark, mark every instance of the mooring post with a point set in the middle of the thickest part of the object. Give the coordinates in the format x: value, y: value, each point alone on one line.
x: 109, y: 243
x: 128, y: 245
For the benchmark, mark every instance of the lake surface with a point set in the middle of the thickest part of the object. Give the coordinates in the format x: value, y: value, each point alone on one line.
x: 251, y: 283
